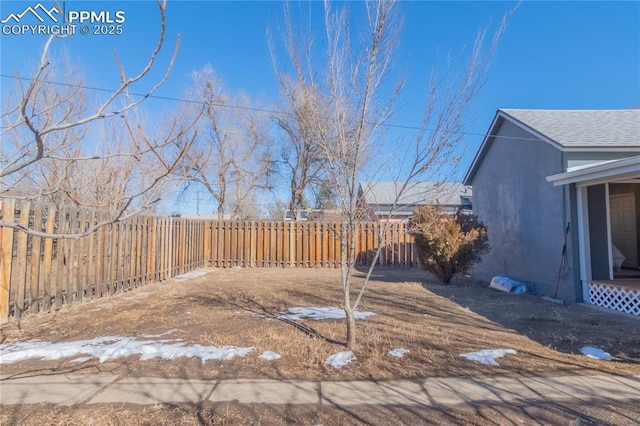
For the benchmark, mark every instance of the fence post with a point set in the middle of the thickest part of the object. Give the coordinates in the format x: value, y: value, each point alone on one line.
x: 6, y: 252
x: 48, y: 277
x: 21, y: 276
x: 34, y: 273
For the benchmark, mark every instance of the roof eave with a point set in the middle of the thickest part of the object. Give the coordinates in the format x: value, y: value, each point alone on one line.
x: 533, y: 131
x: 468, y: 177
x: 625, y: 168
x: 606, y: 148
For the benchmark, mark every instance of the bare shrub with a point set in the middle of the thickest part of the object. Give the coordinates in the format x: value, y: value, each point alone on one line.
x: 448, y: 243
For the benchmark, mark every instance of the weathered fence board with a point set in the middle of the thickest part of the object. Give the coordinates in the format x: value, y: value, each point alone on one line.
x: 6, y: 257
x: 41, y: 274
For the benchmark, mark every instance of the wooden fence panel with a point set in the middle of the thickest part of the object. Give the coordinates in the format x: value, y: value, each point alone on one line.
x: 164, y: 252
x: 35, y: 261
x: 42, y: 273
x: 56, y: 268
x: 112, y: 246
x: 99, y: 258
x: 121, y: 240
x: 78, y: 254
x: 89, y: 274
x: 47, y: 277
x: 235, y: 255
x: 6, y: 256
x: 20, y: 276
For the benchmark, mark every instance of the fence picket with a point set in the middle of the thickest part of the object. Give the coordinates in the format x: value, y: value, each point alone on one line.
x: 6, y: 256
x: 21, y: 264
x: 35, y: 261
x: 47, y: 276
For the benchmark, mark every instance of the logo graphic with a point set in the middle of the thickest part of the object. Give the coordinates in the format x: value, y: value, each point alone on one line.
x: 34, y: 11
x: 51, y: 21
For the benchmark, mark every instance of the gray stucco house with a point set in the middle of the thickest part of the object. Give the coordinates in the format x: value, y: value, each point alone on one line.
x: 538, y: 172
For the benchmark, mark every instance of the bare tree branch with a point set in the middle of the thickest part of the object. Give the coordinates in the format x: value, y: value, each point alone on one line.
x: 101, y: 112
x: 231, y: 158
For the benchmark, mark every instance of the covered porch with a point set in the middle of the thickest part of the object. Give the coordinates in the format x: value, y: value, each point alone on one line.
x: 607, y: 207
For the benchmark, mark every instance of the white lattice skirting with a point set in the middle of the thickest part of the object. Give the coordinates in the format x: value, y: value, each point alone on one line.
x: 615, y: 297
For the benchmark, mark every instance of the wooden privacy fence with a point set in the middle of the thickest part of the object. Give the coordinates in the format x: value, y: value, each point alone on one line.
x: 41, y: 274
x: 300, y: 244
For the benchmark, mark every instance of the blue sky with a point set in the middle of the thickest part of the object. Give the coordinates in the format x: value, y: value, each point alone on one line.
x: 554, y: 55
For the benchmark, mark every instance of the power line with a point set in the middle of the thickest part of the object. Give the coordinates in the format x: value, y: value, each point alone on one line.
x: 270, y: 111
x: 144, y: 95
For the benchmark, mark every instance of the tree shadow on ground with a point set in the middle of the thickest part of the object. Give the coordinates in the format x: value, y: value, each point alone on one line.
x: 252, y: 305
x: 565, y: 328
x: 207, y: 413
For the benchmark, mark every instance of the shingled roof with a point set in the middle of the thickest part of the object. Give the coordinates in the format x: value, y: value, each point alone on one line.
x: 416, y: 194
x: 569, y: 130
x: 582, y: 128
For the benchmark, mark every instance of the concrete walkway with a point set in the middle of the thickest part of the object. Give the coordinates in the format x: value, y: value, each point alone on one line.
x: 81, y: 389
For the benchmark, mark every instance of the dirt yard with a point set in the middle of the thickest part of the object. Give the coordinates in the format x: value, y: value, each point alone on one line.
x: 435, y: 322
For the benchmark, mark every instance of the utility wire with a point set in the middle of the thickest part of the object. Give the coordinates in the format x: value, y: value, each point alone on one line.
x: 165, y: 98
x: 246, y: 108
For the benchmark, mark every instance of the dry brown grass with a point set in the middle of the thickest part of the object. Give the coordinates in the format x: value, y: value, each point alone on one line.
x: 435, y: 322
x: 616, y: 413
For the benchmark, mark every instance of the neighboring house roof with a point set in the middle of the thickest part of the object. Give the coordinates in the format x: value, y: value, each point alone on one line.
x: 328, y: 215
x: 569, y: 130
x: 419, y: 193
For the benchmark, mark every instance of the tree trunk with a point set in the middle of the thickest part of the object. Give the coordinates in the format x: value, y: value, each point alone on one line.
x: 347, y: 246
x: 351, y: 327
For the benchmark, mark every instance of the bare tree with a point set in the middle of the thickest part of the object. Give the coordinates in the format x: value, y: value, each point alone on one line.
x: 360, y: 97
x: 302, y: 159
x: 108, y: 177
x: 50, y: 140
x: 231, y: 158
x: 325, y: 197
x: 277, y: 210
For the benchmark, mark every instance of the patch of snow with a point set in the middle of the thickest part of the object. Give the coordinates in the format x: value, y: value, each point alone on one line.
x: 595, y: 353
x: 112, y: 347
x: 427, y: 316
x: 340, y: 359
x: 82, y: 359
x: 193, y: 274
x: 270, y: 356
x: 327, y: 312
x: 488, y: 356
x: 398, y: 353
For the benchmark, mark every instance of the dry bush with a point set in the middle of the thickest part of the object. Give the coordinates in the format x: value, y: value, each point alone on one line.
x: 448, y: 243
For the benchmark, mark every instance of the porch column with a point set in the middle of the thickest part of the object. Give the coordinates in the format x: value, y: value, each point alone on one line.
x: 583, y: 240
